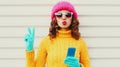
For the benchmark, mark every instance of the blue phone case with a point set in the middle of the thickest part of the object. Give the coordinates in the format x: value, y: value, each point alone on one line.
x: 71, y: 52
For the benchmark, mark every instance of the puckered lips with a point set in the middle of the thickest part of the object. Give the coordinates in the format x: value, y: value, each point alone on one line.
x: 64, y: 22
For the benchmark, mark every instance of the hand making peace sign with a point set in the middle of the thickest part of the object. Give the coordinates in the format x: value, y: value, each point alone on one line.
x: 29, y: 39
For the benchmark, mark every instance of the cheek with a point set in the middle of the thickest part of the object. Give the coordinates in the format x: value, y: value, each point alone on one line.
x: 69, y: 21
x: 59, y: 21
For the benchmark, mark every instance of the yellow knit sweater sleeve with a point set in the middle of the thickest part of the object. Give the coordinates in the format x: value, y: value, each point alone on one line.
x: 40, y: 59
x: 84, y: 58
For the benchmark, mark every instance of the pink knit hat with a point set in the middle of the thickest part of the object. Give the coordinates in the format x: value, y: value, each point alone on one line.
x: 63, y: 5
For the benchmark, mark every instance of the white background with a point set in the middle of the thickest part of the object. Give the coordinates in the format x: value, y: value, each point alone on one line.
x: 99, y: 26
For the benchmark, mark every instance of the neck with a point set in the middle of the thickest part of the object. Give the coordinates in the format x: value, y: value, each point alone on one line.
x: 64, y: 29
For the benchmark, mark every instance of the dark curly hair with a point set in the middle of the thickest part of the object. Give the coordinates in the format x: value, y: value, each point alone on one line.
x: 74, y: 27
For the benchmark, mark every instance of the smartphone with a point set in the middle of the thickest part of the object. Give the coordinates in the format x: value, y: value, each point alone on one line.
x: 71, y: 52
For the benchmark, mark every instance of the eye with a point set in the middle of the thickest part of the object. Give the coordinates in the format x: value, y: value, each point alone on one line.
x: 68, y: 14
x: 58, y: 14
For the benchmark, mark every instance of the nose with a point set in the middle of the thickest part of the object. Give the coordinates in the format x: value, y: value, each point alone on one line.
x: 64, y: 17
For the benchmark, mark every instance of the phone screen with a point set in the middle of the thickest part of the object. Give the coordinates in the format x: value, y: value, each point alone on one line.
x: 71, y: 52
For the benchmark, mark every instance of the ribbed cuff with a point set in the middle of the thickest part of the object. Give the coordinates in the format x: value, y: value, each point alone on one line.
x: 30, y: 54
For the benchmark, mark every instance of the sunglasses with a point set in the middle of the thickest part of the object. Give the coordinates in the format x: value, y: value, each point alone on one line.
x: 67, y: 14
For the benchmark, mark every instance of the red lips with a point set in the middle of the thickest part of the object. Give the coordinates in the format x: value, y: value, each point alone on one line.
x: 64, y: 22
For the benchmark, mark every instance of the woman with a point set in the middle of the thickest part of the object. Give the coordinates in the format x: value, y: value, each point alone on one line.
x: 63, y: 34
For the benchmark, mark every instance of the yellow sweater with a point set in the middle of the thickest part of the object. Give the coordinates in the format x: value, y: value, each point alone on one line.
x: 51, y: 53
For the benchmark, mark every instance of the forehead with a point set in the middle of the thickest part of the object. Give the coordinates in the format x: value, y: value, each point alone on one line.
x: 63, y: 11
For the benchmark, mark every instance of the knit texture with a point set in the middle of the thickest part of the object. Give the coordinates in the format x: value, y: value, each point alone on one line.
x: 63, y: 5
x: 53, y: 52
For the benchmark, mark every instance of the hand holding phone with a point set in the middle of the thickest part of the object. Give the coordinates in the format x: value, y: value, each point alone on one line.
x: 70, y: 60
